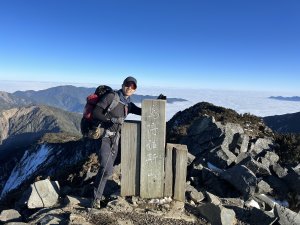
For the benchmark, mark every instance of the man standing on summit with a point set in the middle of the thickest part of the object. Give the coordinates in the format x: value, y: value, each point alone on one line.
x: 112, y: 121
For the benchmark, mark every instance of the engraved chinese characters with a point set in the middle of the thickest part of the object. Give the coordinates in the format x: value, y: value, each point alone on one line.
x: 153, y: 148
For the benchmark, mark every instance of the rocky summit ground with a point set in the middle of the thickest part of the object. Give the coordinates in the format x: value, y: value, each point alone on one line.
x: 121, y: 211
x: 238, y: 173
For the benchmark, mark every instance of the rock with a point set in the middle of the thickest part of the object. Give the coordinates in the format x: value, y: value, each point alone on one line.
x: 16, y: 223
x: 270, y: 158
x: 191, y: 158
x: 221, y: 156
x: 50, y: 216
x: 263, y: 188
x: 279, y: 171
x: 297, y: 169
x: 193, y: 194
x: 242, y: 179
x: 293, y: 180
x: 177, y: 212
x: 119, y: 205
x: 134, y: 200
x: 266, y: 200
x: 242, y: 143
x: 217, y: 214
x: 195, y: 169
x: 260, y: 145
x: 242, y: 156
x: 51, y: 219
x: 74, y: 201
x: 215, y: 185
x: 216, y: 142
x: 214, y: 168
x: 10, y: 215
x: 233, y: 202
x: 124, y: 222
x: 252, y: 204
x: 212, y: 198
x: 78, y: 219
x: 196, y: 196
x: 43, y: 194
x: 203, y: 135
x: 257, y: 168
x: 260, y: 217
x: 234, y: 135
x: 286, y: 216
x: 279, y: 187
x: 177, y: 206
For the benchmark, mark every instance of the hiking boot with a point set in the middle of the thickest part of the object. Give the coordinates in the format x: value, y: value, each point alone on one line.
x: 96, y: 204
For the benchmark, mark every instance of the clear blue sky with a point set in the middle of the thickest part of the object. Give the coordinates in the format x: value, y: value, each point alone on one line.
x: 224, y: 44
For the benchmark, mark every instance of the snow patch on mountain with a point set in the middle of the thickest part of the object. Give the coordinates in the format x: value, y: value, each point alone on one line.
x: 29, y: 164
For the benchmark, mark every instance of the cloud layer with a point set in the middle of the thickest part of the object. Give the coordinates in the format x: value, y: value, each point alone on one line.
x: 254, y: 102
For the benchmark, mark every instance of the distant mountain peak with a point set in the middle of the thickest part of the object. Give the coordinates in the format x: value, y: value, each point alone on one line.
x: 293, y: 98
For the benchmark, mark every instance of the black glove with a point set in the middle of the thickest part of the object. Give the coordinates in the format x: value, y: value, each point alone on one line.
x: 117, y: 120
x: 162, y: 97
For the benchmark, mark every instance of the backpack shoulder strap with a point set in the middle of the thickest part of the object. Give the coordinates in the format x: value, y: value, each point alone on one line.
x: 114, y: 102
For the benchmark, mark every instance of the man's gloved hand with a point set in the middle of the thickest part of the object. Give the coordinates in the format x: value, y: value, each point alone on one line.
x: 117, y: 120
x: 161, y: 96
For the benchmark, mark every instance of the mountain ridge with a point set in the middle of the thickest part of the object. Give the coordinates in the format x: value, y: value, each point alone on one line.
x: 70, y: 98
x: 286, y: 123
x: 28, y: 123
x: 293, y: 98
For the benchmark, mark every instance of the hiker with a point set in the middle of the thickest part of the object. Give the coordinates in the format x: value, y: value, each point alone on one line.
x: 112, y: 122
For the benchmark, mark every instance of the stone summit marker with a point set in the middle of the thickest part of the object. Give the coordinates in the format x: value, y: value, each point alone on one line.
x: 153, y: 148
x: 130, y: 158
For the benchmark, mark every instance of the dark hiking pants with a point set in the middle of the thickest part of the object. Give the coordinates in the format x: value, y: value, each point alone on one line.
x: 107, y: 160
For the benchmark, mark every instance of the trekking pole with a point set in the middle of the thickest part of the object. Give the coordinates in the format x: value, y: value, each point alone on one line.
x: 110, y: 154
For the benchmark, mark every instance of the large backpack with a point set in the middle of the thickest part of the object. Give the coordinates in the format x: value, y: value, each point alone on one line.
x: 88, y: 125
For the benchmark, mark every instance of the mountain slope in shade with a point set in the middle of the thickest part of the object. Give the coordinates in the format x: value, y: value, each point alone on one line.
x: 8, y: 101
x: 26, y: 124
x: 44, y: 159
x: 68, y: 97
x: 287, y: 123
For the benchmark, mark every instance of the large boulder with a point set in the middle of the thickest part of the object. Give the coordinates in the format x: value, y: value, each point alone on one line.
x: 10, y: 215
x: 286, y: 216
x: 257, y: 168
x: 203, y: 134
x: 261, y: 217
x: 268, y: 158
x: 214, y: 184
x: 261, y: 144
x: 243, y: 179
x: 43, y: 193
x: 215, y: 142
x: 241, y: 144
x: 293, y: 180
x: 217, y: 214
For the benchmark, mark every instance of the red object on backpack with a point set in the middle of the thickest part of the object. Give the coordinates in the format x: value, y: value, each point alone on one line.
x: 87, y: 123
x: 91, y: 102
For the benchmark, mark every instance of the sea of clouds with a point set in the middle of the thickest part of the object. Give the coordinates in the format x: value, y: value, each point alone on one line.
x: 255, y: 102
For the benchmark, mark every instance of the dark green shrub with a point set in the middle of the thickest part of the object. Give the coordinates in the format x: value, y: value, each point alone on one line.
x: 288, y: 148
